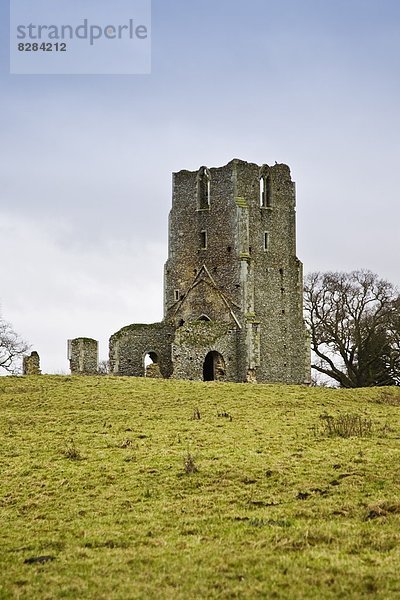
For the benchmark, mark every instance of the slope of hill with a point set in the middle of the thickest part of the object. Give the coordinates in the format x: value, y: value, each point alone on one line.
x: 117, y: 488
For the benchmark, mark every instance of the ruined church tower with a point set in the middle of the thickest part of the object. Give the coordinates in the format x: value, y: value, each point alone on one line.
x: 233, y: 287
x: 232, y: 259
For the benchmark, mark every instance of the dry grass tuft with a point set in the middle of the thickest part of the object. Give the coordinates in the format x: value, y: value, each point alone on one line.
x: 346, y: 425
x: 72, y: 452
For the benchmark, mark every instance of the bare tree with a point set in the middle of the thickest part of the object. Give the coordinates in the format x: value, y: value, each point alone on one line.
x: 104, y: 367
x: 392, y: 358
x: 354, y: 324
x: 12, y: 347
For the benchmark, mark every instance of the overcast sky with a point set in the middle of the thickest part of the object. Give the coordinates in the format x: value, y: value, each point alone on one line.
x: 86, y: 161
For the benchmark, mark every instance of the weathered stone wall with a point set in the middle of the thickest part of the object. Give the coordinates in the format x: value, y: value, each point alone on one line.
x: 31, y: 364
x: 188, y: 253
x: 253, y: 278
x: 129, y: 346
x: 194, y: 340
x: 83, y: 356
x: 231, y: 261
x: 276, y: 273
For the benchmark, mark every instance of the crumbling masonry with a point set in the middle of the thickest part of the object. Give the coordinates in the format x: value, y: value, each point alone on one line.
x: 83, y: 356
x: 233, y: 305
x: 31, y: 364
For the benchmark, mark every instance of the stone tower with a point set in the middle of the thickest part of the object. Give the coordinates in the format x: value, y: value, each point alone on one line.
x: 233, y: 285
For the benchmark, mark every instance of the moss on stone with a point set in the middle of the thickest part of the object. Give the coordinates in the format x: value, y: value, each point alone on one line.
x: 137, y: 327
x: 202, y: 333
x: 241, y: 202
x: 251, y: 317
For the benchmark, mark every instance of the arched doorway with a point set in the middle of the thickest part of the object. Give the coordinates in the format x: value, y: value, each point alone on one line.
x: 214, y: 367
x: 151, y: 366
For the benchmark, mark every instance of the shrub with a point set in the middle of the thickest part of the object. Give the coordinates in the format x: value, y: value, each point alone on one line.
x: 346, y: 425
x: 387, y: 397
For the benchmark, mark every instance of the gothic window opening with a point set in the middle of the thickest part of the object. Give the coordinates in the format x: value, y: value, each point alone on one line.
x: 204, y: 188
x: 203, y: 240
x: 265, y: 191
x: 266, y: 240
x: 177, y: 295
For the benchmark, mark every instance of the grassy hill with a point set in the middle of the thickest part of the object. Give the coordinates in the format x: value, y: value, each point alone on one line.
x: 120, y: 488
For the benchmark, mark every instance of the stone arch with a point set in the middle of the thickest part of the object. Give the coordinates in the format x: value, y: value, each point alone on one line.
x: 214, y: 367
x: 204, y: 318
x: 151, y: 364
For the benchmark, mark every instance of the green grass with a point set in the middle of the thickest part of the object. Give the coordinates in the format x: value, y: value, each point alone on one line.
x: 142, y: 488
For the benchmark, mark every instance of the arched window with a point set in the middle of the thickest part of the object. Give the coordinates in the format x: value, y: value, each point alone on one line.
x: 204, y: 187
x: 203, y: 240
x: 265, y: 187
x: 204, y: 318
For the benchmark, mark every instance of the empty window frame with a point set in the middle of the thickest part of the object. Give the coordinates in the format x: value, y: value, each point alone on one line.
x: 265, y: 191
x: 204, y: 188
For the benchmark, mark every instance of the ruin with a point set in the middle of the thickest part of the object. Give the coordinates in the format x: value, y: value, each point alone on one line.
x: 233, y: 286
x: 31, y: 364
x: 83, y: 356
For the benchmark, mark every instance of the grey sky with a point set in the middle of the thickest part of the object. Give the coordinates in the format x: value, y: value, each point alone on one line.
x: 86, y: 161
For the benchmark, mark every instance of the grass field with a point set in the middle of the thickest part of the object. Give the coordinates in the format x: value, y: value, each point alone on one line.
x: 120, y: 488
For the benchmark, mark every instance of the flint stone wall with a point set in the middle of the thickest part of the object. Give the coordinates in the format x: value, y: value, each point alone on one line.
x: 83, y: 356
x: 194, y: 340
x: 129, y: 346
x: 31, y: 364
x: 232, y: 260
